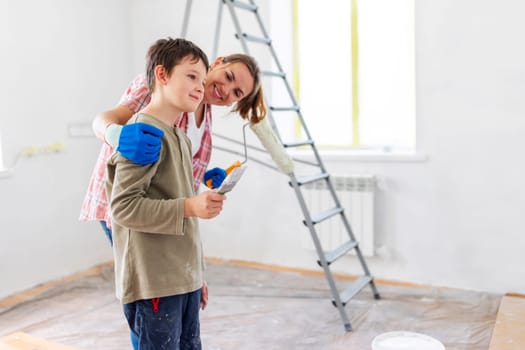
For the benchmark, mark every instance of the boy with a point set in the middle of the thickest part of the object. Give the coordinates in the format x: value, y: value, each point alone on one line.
x: 157, y: 248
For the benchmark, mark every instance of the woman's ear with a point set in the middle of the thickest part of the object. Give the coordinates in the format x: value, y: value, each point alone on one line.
x: 217, y: 61
x: 161, y: 75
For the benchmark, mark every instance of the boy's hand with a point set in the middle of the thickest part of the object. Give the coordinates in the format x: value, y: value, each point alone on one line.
x: 138, y: 142
x: 204, y: 295
x: 205, y: 205
x: 213, y: 178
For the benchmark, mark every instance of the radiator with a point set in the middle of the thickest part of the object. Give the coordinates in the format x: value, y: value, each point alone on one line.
x: 356, y: 194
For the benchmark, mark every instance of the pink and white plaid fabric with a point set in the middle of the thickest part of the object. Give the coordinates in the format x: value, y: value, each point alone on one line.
x: 95, y: 204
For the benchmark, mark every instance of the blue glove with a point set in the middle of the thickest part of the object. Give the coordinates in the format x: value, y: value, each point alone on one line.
x: 213, y: 178
x: 138, y: 142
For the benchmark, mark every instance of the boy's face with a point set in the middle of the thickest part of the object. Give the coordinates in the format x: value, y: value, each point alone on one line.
x: 185, y: 86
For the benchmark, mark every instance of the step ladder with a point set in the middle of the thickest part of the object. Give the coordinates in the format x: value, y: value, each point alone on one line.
x: 325, y: 259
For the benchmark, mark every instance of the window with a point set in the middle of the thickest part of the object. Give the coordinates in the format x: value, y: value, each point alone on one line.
x: 355, y: 80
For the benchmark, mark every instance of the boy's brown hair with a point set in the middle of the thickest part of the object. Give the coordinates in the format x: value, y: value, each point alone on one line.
x: 168, y: 53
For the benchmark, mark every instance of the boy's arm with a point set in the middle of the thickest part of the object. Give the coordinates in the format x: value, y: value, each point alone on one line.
x: 205, y: 205
x: 130, y: 208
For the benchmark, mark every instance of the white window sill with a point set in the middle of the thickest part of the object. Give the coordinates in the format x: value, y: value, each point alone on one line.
x: 363, y: 155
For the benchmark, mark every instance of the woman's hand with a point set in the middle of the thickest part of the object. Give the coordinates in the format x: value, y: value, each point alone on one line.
x: 213, y: 178
x: 138, y: 142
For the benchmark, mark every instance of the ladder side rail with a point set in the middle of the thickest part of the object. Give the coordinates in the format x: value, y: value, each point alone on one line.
x: 303, y: 124
x: 218, y: 24
x: 302, y: 121
x: 366, y: 271
x: 360, y: 256
x: 320, y: 253
x: 351, y: 235
x: 281, y: 70
x: 288, y: 87
x: 333, y: 193
x: 244, y: 45
x: 357, y: 248
x: 185, y: 22
x: 274, y: 55
x: 346, y: 223
x: 279, y: 66
x: 237, y: 27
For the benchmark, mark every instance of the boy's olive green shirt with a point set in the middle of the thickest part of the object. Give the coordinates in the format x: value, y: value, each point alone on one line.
x: 157, y: 251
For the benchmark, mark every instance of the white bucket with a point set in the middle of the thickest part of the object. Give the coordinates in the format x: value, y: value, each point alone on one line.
x: 402, y: 340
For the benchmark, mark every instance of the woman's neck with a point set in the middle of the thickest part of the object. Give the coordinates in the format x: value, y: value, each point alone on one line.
x: 199, y: 114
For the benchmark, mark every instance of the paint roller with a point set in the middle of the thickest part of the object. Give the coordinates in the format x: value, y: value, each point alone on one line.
x: 270, y: 142
x: 273, y: 145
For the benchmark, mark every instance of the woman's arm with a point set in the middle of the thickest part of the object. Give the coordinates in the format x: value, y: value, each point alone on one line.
x: 140, y: 143
x: 118, y: 115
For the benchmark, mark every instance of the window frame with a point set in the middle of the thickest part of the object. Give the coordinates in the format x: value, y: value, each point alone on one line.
x: 356, y: 150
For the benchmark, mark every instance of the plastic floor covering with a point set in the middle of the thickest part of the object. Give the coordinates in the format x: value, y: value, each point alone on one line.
x: 252, y: 308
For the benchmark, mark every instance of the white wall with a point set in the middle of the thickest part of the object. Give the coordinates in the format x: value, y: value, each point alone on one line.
x: 451, y: 220
x: 63, y: 63
x: 3, y: 65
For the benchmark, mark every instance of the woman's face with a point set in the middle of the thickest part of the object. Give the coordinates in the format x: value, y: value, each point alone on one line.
x: 227, y: 83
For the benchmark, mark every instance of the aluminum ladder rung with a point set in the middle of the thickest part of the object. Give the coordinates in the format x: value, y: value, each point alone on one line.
x: 297, y: 143
x: 268, y: 73
x: 322, y: 216
x: 243, y: 5
x: 353, y: 289
x: 255, y: 39
x: 285, y: 109
x: 338, y: 252
x: 309, y: 179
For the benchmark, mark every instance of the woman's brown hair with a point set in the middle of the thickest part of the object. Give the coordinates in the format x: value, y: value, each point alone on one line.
x: 251, y: 107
